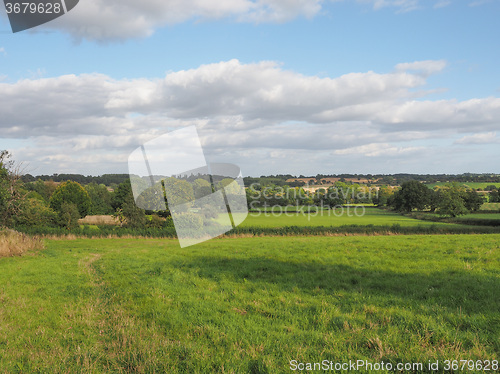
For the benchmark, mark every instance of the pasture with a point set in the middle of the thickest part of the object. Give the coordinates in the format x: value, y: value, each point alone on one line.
x: 338, y: 217
x: 474, y: 185
x: 248, y: 305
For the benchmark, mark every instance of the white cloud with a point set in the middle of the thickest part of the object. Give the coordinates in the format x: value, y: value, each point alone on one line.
x: 112, y: 20
x: 442, y: 4
x: 481, y: 138
x: 257, y: 108
x: 377, y: 149
x: 479, y: 2
x: 2, y: 51
x: 121, y: 19
x: 426, y: 68
x: 403, y: 5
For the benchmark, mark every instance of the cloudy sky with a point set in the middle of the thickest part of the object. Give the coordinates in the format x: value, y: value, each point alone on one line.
x: 275, y: 86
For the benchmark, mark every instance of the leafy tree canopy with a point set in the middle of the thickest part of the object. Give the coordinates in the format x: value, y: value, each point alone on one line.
x: 71, y: 193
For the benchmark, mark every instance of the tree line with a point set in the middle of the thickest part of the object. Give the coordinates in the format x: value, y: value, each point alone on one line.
x: 62, y: 204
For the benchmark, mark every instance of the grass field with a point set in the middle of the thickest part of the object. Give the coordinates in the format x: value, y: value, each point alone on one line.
x: 493, y: 216
x: 248, y: 305
x: 474, y: 185
x: 490, y: 206
x: 371, y: 216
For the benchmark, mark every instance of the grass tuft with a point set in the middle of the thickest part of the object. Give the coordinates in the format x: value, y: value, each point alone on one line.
x: 13, y: 243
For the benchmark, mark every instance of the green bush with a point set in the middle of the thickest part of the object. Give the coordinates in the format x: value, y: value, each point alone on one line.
x: 71, y: 193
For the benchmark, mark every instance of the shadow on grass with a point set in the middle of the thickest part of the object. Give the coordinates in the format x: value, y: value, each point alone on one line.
x: 471, y: 292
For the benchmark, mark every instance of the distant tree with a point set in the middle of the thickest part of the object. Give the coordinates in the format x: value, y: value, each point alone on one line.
x: 231, y: 187
x: 180, y: 194
x: 121, y: 194
x: 412, y: 195
x: 452, y: 200
x: 451, y: 203
x: 35, y: 212
x: 100, y: 199
x: 71, y: 193
x: 45, y: 189
x: 434, y: 200
x: 68, y: 215
x: 381, y: 198
x: 134, y: 216
x: 473, y: 201
x: 11, y: 191
x: 494, y: 196
x: 201, y: 188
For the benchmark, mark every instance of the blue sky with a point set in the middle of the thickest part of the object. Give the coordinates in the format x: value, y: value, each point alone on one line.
x: 300, y: 87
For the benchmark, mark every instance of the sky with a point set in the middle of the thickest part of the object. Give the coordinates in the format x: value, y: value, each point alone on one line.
x: 275, y: 86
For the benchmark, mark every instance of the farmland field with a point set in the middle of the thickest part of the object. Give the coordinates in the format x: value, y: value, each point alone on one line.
x: 248, y: 305
x: 372, y: 216
x: 474, y: 185
x: 491, y: 206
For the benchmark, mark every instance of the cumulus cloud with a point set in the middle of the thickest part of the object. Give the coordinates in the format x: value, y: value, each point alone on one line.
x: 241, y: 109
x: 114, y: 20
x: 425, y: 68
x: 121, y: 19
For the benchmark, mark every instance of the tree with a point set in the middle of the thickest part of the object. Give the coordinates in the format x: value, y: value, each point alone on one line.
x: 473, y: 201
x: 452, y: 199
x: 451, y: 203
x: 71, y: 193
x: 202, y: 188
x: 179, y: 193
x: 382, y: 196
x: 134, y: 216
x: 494, y: 196
x: 68, y: 215
x: 45, y: 189
x: 11, y: 192
x: 434, y: 200
x: 100, y: 199
x: 412, y: 195
x: 121, y: 194
x: 35, y: 212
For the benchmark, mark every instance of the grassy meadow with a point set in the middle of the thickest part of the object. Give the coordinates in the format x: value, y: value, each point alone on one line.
x: 337, y: 217
x: 248, y: 305
x: 490, y: 206
x: 474, y: 185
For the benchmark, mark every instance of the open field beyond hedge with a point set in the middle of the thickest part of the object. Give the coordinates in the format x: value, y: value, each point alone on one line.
x: 238, y: 305
x: 337, y: 217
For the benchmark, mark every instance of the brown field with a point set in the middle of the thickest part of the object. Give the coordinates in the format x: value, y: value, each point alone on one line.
x: 327, y: 181
x: 98, y: 220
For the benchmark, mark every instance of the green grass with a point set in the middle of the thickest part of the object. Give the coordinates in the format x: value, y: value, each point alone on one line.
x: 490, y: 206
x: 372, y: 216
x: 493, y: 216
x: 248, y: 305
x: 474, y: 185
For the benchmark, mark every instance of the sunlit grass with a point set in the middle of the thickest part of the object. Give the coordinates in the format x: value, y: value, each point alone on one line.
x: 338, y: 217
x: 248, y: 305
